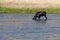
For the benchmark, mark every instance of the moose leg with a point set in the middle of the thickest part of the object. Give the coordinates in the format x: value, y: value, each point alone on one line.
x: 45, y: 17
x: 39, y: 17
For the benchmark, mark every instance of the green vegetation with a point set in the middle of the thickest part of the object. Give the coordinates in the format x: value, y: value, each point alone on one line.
x: 28, y: 10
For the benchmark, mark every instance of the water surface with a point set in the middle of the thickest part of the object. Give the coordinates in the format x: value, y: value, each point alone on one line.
x: 22, y: 27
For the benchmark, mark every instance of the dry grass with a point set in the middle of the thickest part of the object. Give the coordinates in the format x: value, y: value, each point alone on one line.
x: 28, y: 5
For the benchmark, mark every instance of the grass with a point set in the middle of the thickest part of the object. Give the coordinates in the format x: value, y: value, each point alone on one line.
x: 28, y: 10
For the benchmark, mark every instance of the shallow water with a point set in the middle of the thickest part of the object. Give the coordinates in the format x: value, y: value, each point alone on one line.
x: 22, y: 27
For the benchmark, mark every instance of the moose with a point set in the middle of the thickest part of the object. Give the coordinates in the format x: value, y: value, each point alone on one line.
x: 40, y: 14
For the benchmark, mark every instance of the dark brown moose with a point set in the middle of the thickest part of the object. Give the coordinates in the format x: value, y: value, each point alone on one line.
x: 40, y: 14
